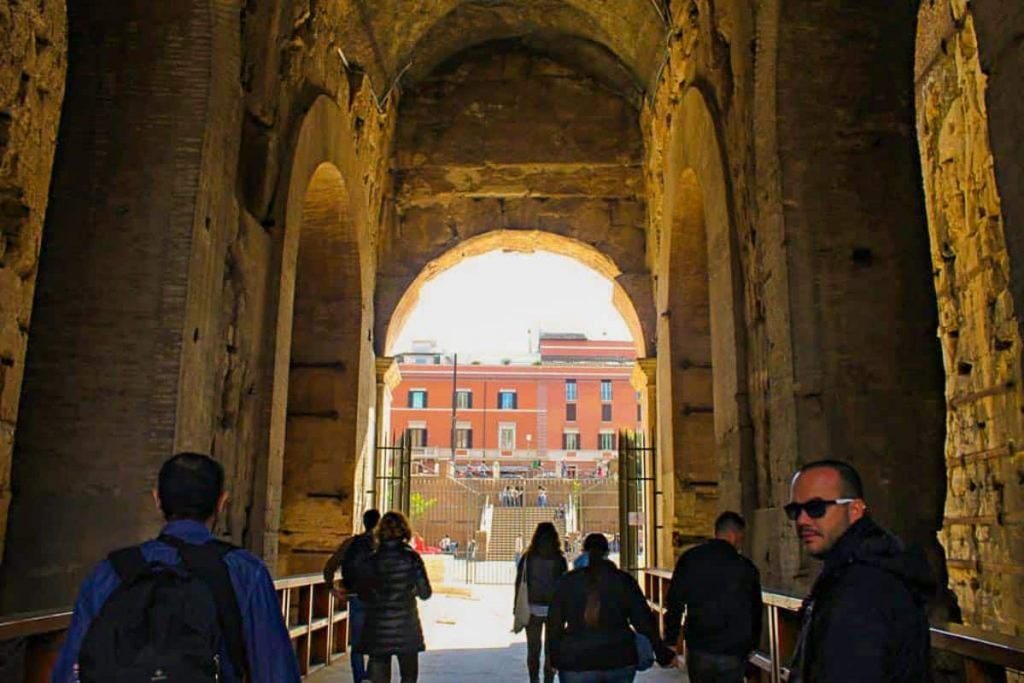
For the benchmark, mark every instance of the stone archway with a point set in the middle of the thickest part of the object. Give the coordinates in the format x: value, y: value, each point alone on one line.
x: 703, y: 418
x: 521, y: 241
x: 322, y: 367
x: 321, y: 449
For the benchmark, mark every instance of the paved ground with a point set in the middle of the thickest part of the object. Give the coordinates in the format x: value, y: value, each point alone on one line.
x: 469, y: 641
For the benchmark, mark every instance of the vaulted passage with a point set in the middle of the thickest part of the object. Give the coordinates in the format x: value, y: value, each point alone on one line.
x: 216, y: 217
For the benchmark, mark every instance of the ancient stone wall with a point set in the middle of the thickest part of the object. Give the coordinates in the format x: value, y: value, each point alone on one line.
x: 504, y: 138
x: 1000, y: 28
x: 978, y: 325
x: 33, y: 62
x: 817, y: 235
x: 99, y: 408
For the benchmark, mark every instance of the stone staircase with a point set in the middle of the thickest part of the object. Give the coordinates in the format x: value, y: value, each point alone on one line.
x: 508, y: 522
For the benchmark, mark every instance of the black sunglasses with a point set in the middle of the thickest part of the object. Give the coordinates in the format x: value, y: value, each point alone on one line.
x: 815, y: 508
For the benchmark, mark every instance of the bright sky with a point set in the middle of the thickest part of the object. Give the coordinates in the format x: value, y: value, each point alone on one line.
x: 492, y: 306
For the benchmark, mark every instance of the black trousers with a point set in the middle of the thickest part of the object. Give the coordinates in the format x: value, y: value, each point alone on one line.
x: 536, y: 632
x: 703, y: 667
x: 408, y: 667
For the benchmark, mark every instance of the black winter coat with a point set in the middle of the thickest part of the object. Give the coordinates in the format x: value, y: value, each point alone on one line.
x: 865, y: 618
x: 721, y: 592
x: 395, y: 576
x: 610, y: 643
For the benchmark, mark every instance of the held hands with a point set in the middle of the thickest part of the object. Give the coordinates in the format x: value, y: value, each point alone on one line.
x: 666, y: 657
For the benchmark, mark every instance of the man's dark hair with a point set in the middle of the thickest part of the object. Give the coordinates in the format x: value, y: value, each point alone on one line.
x: 850, y: 484
x: 729, y: 521
x: 189, y: 486
x: 370, y: 519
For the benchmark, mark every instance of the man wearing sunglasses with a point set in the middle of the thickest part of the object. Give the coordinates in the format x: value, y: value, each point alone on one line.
x: 865, y: 618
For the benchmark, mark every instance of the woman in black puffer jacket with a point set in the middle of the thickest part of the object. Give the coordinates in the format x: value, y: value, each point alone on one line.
x: 395, y: 577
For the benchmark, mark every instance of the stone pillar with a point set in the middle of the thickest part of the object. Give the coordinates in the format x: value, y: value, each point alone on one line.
x: 644, y: 380
x: 388, y: 377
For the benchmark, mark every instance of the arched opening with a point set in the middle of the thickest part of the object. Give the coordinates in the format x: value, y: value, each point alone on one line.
x: 687, y: 395
x: 702, y: 415
x: 321, y: 444
x: 522, y: 241
x: 516, y: 371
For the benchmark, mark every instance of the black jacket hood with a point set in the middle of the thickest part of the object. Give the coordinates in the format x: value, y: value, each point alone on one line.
x: 866, y: 543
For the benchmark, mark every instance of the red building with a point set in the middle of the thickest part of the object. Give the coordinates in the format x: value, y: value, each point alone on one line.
x: 560, y: 412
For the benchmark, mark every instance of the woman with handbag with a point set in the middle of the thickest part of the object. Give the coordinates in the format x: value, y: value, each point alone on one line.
x: 537, y: 573
x: 396, y: 576
x: 592, y: 619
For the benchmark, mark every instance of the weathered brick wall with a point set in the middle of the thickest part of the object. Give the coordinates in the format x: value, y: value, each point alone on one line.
x: 33, y: 62
x: 100, y: 397
x: 978, y: 326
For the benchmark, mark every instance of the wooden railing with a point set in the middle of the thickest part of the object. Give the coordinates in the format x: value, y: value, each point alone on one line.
x: 987, y: 657
x: 317, y: 623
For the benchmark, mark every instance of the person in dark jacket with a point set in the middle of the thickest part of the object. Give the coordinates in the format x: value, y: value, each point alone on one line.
x: 865, y: 618
x: 350, y: 557
x: 395, y: 576
x: 544, y: 564
x: 591, y: 622
x: 721, y: 592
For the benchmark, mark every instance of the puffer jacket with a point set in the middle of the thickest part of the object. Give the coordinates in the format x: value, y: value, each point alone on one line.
x: 395, y: 576
x: 865, y: 618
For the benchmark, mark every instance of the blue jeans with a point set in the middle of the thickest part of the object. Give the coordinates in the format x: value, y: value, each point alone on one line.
x: 356, y: 621
x: 624, y: 675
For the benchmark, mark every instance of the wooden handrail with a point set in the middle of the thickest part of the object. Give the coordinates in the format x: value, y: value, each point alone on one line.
x: 317, y: 623
x: 986, y: 654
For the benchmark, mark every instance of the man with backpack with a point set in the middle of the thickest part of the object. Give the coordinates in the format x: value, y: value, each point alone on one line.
x: 351, y: 558
x: 183, y: 606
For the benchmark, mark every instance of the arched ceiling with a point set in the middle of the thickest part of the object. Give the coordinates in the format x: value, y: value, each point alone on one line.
x: 623, y: 40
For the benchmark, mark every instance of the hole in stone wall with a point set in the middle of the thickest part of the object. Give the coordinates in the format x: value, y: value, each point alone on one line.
x: 1003, y: 344
x: 862, y: 256
x: 964, y: 368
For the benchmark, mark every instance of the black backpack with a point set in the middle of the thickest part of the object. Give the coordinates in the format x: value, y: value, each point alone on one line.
x: 165, y: 622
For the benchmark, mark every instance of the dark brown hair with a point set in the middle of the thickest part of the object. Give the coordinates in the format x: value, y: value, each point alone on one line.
x: 596, y: 547
x: 394, y: 527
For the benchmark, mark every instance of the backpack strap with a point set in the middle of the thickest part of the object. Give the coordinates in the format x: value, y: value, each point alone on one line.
x: 207, y: 562
x: 128, y: 563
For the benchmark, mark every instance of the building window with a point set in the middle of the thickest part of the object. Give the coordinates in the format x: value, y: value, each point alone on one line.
x: 606, y: 441
x: 507, y: 399
x: 570, y: 412
x: 606, y: 390
x: 639, y: 413
x: 570, y: 390
x: 506, y: 437
x: 417, y: 398
x: 606, y: 412
x: 571, y: 441
x: 464, y: 399
x: 417, y: 436
x: 463, y: 437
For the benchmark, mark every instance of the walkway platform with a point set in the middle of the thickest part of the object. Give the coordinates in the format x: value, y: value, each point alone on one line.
x: 469, y: 641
